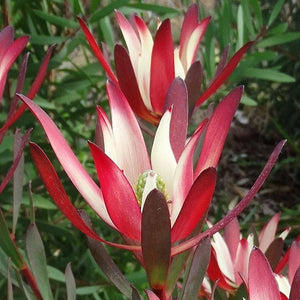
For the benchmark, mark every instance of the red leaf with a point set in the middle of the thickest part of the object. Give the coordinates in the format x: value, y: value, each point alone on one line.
x: 217, y: 130
x: 97, y: 50
x: 162, y: 66
x: 226, y: 72
x: 129, y: 85
x: 262, y: 284
x: 195, y: 205
x: 33, y: 90
x: 119, y: 197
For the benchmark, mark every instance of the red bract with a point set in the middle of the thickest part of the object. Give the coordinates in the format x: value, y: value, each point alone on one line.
x: 262, y: 282
x: 146, y: 70
x: 9, y: 52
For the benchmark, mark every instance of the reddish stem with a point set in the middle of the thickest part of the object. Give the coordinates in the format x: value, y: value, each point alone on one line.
x: 32, y: 282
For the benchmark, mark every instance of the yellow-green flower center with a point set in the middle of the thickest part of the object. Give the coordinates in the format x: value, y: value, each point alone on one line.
x: 149, y: 180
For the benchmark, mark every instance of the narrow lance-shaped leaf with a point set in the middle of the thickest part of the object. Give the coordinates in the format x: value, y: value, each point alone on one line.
x: 70, y: 283
x: 97, y: 50
x: 10, y: 294
x: 20, y: 84
x: 18, y: 179
x: 196, y: 270
x: 195, y: 205
x: 129, y: 85
x: 37, y: 258
x: 120, y: 201
x: 217, y: 130
x: 15, y: 162
x: 106, y: 264
x: 33, y: 89
x: 8, y: 59
x: 162, y: 66
x: 226, y: 72
x: 156, y: 239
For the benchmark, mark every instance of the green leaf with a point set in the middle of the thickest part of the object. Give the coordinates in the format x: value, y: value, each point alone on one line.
x: 55, y: 274
x: 7, y: 244
x: 276, y: 10
x: 258, y: 13
x: 177, y: 265
x: 10, y: 295
x: 46, y: 39
x: 107, y: 10
x: 248, y: 18
x: 56, y: 20
x: 209, y: 53
x: 248, y: 101
x: 240, y: 28
x: 77, y: 7
x: 196, y: 270
x: 268, y: 74
x: 88, y: 290
x: 44, y: 103
x: 40, y: 202
x: 281, y: 28
x: 159, y: 9
x: 225, y: 25
x: 106, y: 264
x: 70, y: 283
x: 107, y: 31
x: 37, y: 258
x: 279, y: 39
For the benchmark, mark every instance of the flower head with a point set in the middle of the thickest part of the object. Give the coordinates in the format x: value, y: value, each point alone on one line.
x: 146, y: 69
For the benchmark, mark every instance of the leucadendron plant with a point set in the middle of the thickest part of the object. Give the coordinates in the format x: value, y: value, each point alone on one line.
x: 157, y: 198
